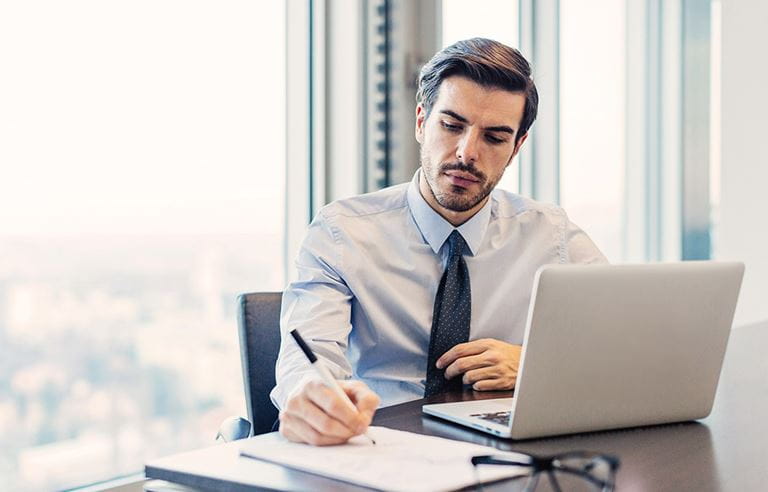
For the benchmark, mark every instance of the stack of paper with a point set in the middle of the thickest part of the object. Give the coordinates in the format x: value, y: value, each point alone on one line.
x: 399, y: 461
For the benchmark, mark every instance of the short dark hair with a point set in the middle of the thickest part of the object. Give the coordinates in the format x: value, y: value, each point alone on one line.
x: 485, y: 62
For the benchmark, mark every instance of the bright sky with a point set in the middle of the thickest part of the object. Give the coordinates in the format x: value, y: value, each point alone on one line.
x: 141, y: 116
x: 153, y: 116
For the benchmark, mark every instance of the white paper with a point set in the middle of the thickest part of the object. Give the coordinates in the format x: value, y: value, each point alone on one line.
x: 399, y: 461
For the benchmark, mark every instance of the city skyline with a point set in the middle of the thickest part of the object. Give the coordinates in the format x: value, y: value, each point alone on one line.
x: 122, y: 364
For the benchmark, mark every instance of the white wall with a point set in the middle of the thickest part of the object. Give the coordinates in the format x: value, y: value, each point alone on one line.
x: 743, y: 231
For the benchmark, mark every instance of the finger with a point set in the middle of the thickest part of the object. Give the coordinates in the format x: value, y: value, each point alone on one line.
x: 297, y: 430
x: 287, y: 424
x: 461, y: 350
x: 334, y: 405
x: 364, y: 399
x: 306, y: 410
x: 475, y: 375
x: 464, y: 364
x: 491, y: 378
x: 499, y: 384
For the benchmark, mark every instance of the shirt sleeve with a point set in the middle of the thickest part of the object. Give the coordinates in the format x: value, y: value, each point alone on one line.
x: 579, y: 246
x: 318, y: 304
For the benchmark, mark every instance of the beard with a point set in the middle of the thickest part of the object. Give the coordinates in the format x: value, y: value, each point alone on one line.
x: 452, y: 197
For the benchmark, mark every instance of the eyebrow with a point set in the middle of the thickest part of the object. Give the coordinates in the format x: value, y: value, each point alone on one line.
x: 500, y: 128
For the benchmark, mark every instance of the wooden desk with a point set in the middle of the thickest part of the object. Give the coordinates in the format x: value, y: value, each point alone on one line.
x: 726, y: 451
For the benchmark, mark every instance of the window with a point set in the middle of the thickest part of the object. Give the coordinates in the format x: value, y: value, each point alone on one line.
x: 142, y: 153
x: 639, y: 139
x: 592, y: 119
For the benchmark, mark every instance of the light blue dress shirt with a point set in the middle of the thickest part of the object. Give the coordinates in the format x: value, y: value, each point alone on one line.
x: 368, y: 273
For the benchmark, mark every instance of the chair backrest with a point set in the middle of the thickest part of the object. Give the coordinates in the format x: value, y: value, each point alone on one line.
x: 258, y: 319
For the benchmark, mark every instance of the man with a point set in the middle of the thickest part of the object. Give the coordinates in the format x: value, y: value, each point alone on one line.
x: 424, y: 286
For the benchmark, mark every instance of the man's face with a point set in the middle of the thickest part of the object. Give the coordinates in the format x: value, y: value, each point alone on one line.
x: 466, y: 144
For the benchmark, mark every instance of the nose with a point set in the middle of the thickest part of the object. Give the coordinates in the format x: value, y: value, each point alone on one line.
x: 468, y: 147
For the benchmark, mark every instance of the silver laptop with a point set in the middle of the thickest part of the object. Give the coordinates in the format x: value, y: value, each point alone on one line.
x: 611, y: 346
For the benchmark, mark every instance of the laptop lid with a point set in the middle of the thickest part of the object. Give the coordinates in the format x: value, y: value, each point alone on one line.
x: 611, y: 346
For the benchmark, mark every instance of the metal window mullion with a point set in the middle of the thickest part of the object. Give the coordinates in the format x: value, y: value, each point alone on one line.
x: 653, y: 126
x: 377, y: 122
x: 526, y: 175
x: 386, y: 80
x: 540, y: 44
x: 671, y: 136
x: 696, y: 241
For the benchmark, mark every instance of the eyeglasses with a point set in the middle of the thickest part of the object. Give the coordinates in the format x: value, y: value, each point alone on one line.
x: 573, y: 471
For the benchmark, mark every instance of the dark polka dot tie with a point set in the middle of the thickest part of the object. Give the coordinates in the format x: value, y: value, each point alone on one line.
x: 450, y: 321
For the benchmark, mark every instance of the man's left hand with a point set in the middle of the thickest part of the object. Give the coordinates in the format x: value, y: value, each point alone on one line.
x: 487, y: 364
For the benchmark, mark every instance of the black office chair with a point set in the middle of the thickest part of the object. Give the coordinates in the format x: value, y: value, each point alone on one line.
x: 258, y: 320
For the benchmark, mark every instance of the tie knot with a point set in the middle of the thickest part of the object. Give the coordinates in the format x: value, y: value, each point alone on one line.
x: 456, y: 243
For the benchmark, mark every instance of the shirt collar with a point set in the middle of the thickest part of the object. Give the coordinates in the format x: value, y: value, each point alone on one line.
x: 436, y: 229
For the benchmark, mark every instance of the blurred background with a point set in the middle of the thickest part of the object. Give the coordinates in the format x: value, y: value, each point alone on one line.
x: 157, y: 158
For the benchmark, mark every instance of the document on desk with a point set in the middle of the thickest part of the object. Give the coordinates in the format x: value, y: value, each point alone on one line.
x: 399, y: 461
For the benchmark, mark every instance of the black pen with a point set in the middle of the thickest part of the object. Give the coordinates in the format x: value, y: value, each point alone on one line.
x: 324, y: 373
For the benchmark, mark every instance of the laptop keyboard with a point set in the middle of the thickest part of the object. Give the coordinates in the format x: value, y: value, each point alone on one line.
x: 497, y: 417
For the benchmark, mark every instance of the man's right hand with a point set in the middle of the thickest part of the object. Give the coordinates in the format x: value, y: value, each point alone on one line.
x: 318, y: 416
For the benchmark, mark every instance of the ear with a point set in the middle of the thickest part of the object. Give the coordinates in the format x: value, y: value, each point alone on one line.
x: 517, y: 147
x: 420, y: 120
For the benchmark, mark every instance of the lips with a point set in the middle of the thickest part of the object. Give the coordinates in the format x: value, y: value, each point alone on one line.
x: 460, y: 178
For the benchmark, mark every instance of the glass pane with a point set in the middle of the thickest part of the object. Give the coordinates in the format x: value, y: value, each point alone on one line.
x: 493, y: 19
x: 142, y: 151
x: 592, y: 118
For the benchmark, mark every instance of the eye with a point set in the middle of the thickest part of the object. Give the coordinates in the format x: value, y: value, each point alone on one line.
x: 451, y: 127
x: 494, y: 139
